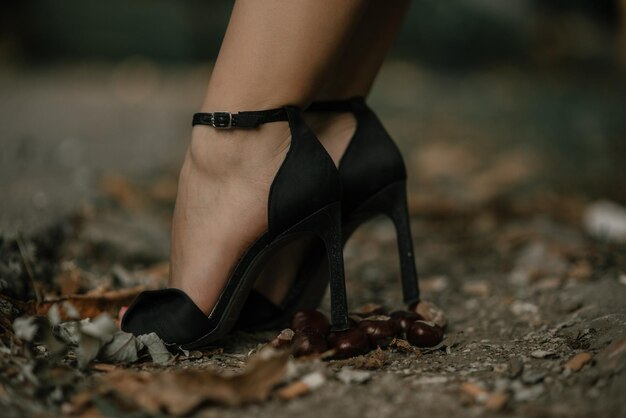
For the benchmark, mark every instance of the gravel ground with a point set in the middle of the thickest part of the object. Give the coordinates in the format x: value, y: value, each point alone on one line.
x: 503, y: 242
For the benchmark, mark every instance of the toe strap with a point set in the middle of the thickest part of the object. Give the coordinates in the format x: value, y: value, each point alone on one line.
x: 170, y: 313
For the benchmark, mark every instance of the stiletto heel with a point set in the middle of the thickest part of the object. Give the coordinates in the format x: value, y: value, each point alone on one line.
x: 327, y: 223
x: 304, y: 200
x: 373, y: 180
x: 392, y: 202
x: 334, y: 252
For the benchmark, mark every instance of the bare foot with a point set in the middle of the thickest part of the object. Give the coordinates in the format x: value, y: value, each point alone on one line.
x: 221, y: 207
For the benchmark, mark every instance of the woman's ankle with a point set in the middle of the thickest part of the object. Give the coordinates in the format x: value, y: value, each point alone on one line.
x: 334, y: 130
x: 218, y: 152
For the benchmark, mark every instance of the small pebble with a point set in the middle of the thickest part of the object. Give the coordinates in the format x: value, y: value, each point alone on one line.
x: 531, y: 377
x: 542, y: 354
x: 349, y: 376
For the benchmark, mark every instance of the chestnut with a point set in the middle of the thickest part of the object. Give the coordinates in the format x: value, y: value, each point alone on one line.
x: 380, y: 330
x: 308, y: 341
x: 429, y: 312
x: 424, y: 334
x: 310, y: 318
x: 404, y: 319
x: 348, y: 343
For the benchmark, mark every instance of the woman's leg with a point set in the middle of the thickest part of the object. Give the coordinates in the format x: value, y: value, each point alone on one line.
x: 274, y: 53
x: 356, y: 71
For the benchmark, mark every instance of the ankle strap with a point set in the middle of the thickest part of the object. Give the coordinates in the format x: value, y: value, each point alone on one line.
x: 342, y: 105
x: 227, y: 120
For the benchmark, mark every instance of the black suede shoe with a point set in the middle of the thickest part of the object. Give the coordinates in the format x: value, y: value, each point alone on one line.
x: 373, y: 180
x: 303, y: 202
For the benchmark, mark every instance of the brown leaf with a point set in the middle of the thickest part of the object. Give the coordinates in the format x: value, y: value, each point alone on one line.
x: 477, y: 393
x: 371, y: 361
x: 302, y: 386
x: 496, y: 401
x: 179, y: 392
x: 90, y: 305
x: 404, y: 345
x: 578, y: 361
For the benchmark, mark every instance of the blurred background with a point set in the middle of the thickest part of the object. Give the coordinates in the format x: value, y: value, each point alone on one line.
x: 487, y: 99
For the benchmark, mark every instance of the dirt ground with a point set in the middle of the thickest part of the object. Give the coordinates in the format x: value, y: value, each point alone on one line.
x: 506, y: 238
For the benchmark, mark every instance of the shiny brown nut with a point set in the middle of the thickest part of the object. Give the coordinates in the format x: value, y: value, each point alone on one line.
x: 430, y: 312
x: 308, y: 341
x: 310, y: 319
x: 424, y: 334
x: 380, y: 332
x: 403, y: 319
x: 348, y: 343
x: 283, y: 340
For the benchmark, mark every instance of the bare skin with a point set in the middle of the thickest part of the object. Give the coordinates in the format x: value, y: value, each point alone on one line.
x: 356, y: 72
x: 221, y: 207
x: 352, y: 75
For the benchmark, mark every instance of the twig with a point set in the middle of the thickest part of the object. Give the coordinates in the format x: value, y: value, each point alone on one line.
x: 22, y: 247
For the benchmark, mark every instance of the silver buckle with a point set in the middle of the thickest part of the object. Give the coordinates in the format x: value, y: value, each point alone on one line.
x: 221, y: 120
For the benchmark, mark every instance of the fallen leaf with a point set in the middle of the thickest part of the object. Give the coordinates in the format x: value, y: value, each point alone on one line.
x: 25, y: 328
x: 37, y: 330
x: 94, y: 335
x: 301, y: 387
x: 578, y: 361
x: 405, y: 346
x: 104, y: 367
x: 432, y: 313
x: 123, y: 348
x: 89, y: 305
x: 178, y: 392
x: 372, y: 361
x: 283, y: 340
x: 476, y: 392
x: 496, y: 401
x: 156, y: 348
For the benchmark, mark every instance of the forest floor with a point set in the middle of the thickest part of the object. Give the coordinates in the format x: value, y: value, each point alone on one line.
x: 533, y: 287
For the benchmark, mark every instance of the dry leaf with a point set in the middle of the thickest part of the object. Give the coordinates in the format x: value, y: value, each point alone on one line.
x: 476, y: 392
x: 432, y: 313
x: 301, y: 387
x: 578, y: 361
x: 156, y: 348
x: 179, y: 392
x: 94, y: 335
x: 496, y: 401
x: 89, y: 305
x: 372, y: 361
x: 404, y: 345
x: 122, y: 348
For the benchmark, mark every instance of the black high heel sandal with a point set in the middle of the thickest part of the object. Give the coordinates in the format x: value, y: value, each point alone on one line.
x: 303, y: 201
x: 373, y: 179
